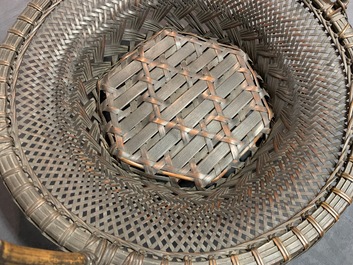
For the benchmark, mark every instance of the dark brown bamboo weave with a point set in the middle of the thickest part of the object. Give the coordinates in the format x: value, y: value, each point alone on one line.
x: 56, y: 162
x: 184, y: 107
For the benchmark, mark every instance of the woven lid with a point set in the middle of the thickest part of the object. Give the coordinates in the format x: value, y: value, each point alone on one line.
x: 56, y: 148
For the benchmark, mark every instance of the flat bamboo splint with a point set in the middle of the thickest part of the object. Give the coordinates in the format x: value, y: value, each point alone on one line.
x: 60, y: 139
x: 184, y: 107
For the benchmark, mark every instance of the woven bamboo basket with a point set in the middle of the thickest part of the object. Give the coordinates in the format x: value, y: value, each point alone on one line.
x: 179, y: 132
x: 193, y: 111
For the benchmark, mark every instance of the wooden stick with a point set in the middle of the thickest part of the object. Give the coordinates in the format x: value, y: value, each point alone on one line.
x: 14, y: 255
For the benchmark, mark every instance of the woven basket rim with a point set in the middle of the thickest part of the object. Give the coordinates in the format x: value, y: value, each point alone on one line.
x: 11, y: 168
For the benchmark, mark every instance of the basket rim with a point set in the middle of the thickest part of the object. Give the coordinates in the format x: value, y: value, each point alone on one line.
x: 12, y: 170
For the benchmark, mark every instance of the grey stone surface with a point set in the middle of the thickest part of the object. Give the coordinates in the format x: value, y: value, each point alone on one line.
x: 336, y: 248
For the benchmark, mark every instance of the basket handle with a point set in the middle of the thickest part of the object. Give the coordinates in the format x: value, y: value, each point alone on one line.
x: 16, y: 255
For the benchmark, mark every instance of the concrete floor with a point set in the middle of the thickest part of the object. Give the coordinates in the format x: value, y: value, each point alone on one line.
x: 336, y: 248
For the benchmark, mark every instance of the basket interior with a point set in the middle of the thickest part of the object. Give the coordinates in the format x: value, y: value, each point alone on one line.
x: 61, y: 139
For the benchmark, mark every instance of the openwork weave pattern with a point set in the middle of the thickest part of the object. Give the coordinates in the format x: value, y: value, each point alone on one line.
x: 56, y: 161
x: 184, y: 107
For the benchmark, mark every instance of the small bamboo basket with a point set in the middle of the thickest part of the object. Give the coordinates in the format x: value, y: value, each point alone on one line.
x: 184, y: 107
x: 109, y: 155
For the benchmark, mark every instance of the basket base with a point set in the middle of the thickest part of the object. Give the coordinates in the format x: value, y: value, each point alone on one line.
x: 185, y: 108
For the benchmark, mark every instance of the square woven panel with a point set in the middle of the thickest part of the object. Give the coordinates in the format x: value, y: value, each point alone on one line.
x: 184, y: 107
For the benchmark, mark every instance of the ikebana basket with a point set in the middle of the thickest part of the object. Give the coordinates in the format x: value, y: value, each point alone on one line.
x: 179, y: 132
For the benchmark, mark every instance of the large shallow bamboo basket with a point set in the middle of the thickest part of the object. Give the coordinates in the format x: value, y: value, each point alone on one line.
x: 63, y: 154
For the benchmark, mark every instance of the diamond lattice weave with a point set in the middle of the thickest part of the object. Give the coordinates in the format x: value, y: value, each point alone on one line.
x: 184, y: 107
x: 59, y: 132
x: 85, y: 110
